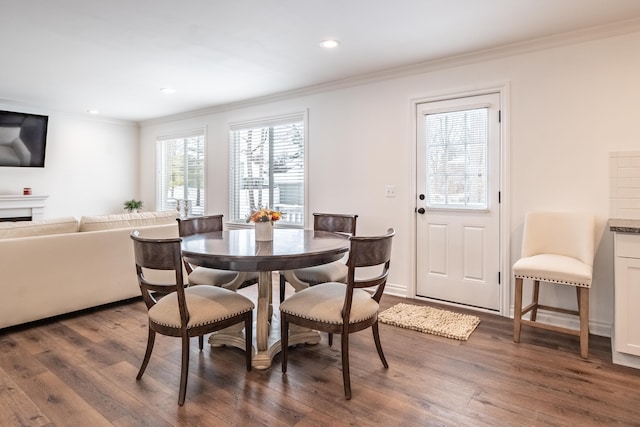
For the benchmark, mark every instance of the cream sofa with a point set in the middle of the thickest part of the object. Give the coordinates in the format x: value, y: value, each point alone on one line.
x: 57, y: 266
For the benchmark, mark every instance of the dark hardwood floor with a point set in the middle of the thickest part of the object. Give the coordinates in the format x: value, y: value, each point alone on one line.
x: 80, y: 371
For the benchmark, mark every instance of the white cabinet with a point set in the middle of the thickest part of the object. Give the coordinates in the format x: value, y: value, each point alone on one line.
x: 626, y: 336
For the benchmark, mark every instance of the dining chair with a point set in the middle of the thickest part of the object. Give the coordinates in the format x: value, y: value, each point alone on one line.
x: 334, y: 271
x: 209, y: 276
x: 343, y: 309
x: 184, y: 312
x: 557, y: 248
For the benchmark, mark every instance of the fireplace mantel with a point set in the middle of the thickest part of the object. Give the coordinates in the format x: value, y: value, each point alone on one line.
x: 22, y: 206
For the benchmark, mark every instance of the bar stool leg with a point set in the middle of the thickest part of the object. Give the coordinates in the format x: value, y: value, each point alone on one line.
x: 536, y: 295
x: 517, y: 311
x: 583, y: 308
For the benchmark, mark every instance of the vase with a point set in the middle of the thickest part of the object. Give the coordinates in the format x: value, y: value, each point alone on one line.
x: 264, y: 231
x: 183, y: 207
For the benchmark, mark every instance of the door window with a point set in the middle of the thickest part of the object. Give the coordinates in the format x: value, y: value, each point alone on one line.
x: 456, y: 149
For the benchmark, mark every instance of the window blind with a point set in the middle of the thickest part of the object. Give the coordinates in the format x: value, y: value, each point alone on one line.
x: 457, y: 159
x: 267, y: 168
x: 180, y: 172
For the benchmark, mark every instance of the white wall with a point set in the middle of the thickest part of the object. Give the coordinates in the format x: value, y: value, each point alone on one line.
x: 569, y: 107
x: 91, y: 166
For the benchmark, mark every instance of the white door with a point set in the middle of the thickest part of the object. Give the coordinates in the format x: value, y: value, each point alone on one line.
x: 458, y: 214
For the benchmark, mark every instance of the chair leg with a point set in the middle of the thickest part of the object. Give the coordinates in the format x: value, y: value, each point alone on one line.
x: 283, y: 285
x: 151, y: 339
x: 376, y: 339
x: 184, y: 371
x: 201, y: 342
x: 345, y: 365
x: 248, y: 337
x: 536, y: 295
x: 284, y: 341
x: 330, y: 336
x: 583, y: 309
x: 517, y: 311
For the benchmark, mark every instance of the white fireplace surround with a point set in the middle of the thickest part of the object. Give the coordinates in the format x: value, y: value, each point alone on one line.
x: 15, y: 206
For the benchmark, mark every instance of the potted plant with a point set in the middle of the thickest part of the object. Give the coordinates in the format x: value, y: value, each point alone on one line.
x: 132, y: 205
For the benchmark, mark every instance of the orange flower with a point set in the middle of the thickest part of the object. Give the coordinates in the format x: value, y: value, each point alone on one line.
x: 264, y: 215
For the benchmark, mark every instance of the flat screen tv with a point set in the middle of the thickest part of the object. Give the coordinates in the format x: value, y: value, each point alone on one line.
x: 23, y: 139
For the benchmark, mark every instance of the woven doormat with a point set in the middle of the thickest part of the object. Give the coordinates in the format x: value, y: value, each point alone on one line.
x: 430, y: 320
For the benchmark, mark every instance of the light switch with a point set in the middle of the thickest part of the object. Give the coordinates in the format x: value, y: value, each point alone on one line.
x: 390, y: 191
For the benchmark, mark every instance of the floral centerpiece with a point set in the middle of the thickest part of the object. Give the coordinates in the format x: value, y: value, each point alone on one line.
x: 264, y: 219
x: 264, y: 215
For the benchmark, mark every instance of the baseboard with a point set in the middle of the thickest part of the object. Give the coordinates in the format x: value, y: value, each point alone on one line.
x: 395, y: 290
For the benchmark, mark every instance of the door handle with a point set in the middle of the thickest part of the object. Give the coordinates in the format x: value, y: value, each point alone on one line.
x: 421, y: 211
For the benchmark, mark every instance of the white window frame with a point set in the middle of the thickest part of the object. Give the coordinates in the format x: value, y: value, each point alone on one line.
x: 236, y: 215
x: 165, y: 203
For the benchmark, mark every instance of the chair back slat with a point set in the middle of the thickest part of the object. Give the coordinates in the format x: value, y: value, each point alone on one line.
x: 199, y: 224
x: 337, y: 223
x: 159, y: 254
x: 366, y: 252
x: 156, y: 254
x: 370, y: 251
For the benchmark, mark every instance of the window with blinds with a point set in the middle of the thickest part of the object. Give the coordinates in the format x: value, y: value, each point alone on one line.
x: 180, y: 172
x: 457, y: 159
x: 267, y: 168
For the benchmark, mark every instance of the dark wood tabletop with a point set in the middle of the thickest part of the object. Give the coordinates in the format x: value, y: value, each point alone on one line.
x: 290, y: 249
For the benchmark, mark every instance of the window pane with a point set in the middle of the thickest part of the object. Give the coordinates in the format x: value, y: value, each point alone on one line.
x: 180, y: 169
x: 457, y: 159
x: 268, y: 170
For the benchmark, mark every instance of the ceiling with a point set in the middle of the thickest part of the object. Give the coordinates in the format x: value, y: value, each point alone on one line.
x: 114, y: 56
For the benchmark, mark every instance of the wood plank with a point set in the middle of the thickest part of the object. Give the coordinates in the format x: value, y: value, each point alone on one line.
x: 81, y: 370
x: 16, y: 407
x: 60, y: 403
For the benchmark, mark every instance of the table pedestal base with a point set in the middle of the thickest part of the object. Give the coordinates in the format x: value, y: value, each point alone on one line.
x: 266, y: 339
x: 234, y: 337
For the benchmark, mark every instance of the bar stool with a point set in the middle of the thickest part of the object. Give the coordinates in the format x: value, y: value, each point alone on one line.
x: 557, y: 248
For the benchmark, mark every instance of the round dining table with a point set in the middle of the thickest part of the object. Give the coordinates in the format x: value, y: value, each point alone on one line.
x: 238, y: 250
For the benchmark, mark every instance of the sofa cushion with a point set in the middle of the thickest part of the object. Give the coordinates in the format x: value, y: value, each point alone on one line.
x: 10, y: 230
x: 141, y: 219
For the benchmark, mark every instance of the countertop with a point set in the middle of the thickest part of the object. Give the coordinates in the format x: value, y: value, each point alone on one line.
x: 625, y: 225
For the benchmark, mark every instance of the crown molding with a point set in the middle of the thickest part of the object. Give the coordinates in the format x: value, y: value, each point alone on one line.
x: 512, y: 49
x: 12, y: 105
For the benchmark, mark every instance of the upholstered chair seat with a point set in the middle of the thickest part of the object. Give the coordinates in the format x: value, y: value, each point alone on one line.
x: 324, y: 303
x: 206, y: 304
x: 210, y: 276
x: 554, y: 268
x: 333, y: 272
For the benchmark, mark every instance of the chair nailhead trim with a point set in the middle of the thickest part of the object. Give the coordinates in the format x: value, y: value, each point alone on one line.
x: 315, y: 319
x: 561, y: 282
x: 206, y: 323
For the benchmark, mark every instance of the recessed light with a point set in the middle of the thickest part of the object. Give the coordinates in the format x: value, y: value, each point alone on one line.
x: 329, y: 44
x: 167, y: 90
x: 93, y: 111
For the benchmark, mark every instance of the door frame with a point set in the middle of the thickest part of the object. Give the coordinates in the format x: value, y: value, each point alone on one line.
x: 502, y: 89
